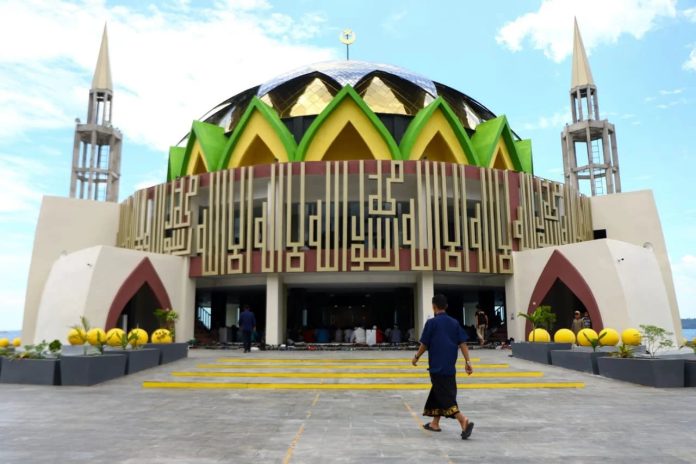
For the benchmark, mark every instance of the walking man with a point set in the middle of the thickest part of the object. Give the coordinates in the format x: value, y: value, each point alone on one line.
x: 247, y: 324
x: 481, y: 324
x: 442, y: 336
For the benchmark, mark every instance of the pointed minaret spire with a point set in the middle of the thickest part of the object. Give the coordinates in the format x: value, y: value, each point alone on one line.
x: 102, y: 73
x: 590, y: 157
x: 96, y: 168
x: 582, y: 74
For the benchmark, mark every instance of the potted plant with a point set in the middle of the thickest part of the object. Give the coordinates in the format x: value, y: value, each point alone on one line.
x: 538, y: 349
x: 690, y: 365
x: 90, y: 369
x: 137, y: 358
x: 650, y: 370
x: 164, y: 338
x: 578, y: 359
x: 36, y: 365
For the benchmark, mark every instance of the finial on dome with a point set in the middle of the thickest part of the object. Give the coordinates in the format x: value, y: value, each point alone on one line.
x: 347, y: 37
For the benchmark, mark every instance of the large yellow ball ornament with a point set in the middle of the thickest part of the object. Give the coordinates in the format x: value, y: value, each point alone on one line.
x: 113, y: 337
x: 583, y: 340
x: 564, y: 336
x: 610, y: 337
x: 161, y: 336
x: 17, y: 342
x: 631, y: 337
x: 539, y: 336
x: 96, y: 336
x: 77, y: 337
x: 138, y: 337
x: 4, y: 342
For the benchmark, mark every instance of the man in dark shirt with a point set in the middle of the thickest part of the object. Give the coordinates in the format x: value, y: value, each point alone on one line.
x: 442, y: 336
x: 247, y: 324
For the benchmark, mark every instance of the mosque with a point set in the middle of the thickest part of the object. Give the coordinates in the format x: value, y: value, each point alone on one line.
x: 348, y: 193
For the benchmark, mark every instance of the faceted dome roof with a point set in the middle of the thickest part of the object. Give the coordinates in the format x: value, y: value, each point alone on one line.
x: 386, y: 89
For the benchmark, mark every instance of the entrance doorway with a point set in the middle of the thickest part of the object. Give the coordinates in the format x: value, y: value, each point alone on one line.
x: 139, y: 312
x: 563, y: 304
x: 320, y: 311
x: 217, y: 313
x: 462, y: 302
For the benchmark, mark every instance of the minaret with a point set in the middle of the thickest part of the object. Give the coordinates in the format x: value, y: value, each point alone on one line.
x: 96, y: 167
x: 589, y: 143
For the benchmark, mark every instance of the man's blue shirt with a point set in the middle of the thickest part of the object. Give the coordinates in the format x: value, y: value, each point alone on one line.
x: 442, y: 335
x: 247, y: 321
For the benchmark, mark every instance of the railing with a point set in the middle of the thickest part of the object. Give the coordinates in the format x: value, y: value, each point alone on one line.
x: 204, y: 316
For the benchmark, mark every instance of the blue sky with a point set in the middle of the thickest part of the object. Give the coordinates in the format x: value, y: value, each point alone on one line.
x: 172, y: 61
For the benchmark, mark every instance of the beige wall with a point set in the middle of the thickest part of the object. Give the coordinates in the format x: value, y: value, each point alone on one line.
x: 86, y: 282
x: 633, y: 217
x: 65, y: 225
x: 625, y: 279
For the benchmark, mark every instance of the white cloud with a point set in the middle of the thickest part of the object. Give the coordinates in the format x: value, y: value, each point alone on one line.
x: 684, y: 274
x: 555, y: 121
x: 20, y: 194
x: 671, y: 92
x: 550, y: 28
x: 170, y: 64
x: 690, y: 63
x: 392, y: 23
x: 689, y: 14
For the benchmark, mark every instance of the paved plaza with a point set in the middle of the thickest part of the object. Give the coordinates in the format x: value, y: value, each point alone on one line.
x: 343, y: 407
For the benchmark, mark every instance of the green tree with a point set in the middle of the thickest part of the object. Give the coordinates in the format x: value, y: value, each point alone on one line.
x: 542, y: 317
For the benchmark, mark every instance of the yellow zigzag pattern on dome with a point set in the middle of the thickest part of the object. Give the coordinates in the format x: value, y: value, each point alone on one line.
x: 348, y: 129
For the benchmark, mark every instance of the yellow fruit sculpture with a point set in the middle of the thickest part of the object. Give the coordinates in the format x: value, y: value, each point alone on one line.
x: 564, y: 336
x: 96, y: 336
x: 138, y: 337
x: 539, y: 336
x: 631, y: 337
x: 113, y: 337
x: 161, y: 336
x: 610, y: 337
x: 17, y: 342
x: 583, y: 340
x: 4, y: 342
x: 77, y: 337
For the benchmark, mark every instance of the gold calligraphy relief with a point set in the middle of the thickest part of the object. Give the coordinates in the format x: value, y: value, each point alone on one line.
x: 354, y: 216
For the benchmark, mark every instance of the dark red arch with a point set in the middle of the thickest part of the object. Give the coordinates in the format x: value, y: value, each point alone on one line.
x: 558, y: 267
x: 143, y: 274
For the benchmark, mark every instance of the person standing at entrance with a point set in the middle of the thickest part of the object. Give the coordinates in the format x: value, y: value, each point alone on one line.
x: 586, y: 321
x: 481, y: 324
x: 247, y: 324
x: 442, y: 337
x: 577, y: 324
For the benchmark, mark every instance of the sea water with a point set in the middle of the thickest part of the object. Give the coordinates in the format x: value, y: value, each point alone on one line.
x: 11, y: 334
x: 689, y: 334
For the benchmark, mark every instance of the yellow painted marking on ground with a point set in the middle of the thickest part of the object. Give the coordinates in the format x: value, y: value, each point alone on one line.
x: 325, y: 360
x: 354, y: 375
x: 420, y: 425
x: 354, y: 386
x: 298, y: 435
x: 335, y: 366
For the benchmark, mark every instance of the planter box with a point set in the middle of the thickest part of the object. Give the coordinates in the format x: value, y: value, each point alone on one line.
x: 170, y: 351
x: 663, y: 373
x: 538, y: 352
x: 138, y: 360
x: 30, y: 371
x: 583, y: 361
x: 91, y: 370
x: 690, y: 373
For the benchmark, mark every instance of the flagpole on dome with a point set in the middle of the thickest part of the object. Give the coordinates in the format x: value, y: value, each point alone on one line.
x: 347, y: 37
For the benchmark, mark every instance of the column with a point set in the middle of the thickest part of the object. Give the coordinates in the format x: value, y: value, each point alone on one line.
x: 425, y: 290
x: 275, y: 310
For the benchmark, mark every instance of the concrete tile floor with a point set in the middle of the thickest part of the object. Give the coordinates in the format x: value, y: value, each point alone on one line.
x: 121, y: 422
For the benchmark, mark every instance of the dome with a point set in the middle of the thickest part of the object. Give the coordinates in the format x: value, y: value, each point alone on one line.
x: 387, y: 90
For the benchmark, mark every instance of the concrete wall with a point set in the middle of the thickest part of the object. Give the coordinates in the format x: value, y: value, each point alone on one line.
x: 633, y: 217
x: 65, y: 225
x: 626, y: 281
x: 86, y: 282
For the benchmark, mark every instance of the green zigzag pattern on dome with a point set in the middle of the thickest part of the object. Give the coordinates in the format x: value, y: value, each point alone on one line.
x: 346, y: 92
x: 420, y: 121
x: 524, y: 153
x: 176, y: 162
x: 486, y: 138
x: 270, y: 115
x: 212, y: 139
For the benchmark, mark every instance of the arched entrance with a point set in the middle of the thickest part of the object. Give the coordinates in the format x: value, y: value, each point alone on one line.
x: 140, y: 294
x: 562, y: 287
